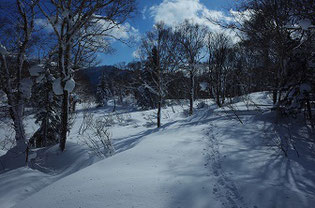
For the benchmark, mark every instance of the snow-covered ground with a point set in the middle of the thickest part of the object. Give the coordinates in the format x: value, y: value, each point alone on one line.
x: 216, y: 158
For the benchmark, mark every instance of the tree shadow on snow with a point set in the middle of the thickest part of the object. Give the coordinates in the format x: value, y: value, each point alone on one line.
x: 283, y: 152
x: 249, y: 156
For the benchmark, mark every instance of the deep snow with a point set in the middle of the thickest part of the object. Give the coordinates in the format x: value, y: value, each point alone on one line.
x: 211, y: 159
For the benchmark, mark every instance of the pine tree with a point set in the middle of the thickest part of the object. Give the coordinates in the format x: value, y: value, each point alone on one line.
x: 47, y: 112
x: 102, y: 93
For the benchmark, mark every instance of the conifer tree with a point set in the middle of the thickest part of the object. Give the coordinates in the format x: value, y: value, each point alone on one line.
x: 102, y: 93
x: 47, y: 111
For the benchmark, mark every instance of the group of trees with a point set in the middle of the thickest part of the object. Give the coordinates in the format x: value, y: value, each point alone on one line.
x: 43, y: 42
x: 168, y: 56
x: 280, y: 34
x: 112, y: 86
x: 273, y: 50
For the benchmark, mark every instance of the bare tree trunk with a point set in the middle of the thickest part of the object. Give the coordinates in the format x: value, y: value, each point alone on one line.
x: 159, y: 112
x: 274, y: 96
x: 114, y: 108
x: 120, y: 99
x: 218, y: 97
x: 309, y: 111
x: 15, y: 110
x: 13, y: 92
x: 64, y: 120
x: 218, y: 90
x: 17, y: 117
x: 65, y: 61
x: 44, y: 140
x: 191, y: 98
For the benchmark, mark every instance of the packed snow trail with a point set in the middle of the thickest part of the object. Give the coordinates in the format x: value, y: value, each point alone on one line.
x: 224, y: 189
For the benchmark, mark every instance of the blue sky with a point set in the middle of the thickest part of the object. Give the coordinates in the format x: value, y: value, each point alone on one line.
x: 171, y: 12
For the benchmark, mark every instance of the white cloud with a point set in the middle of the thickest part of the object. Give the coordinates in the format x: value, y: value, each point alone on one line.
x: 144, y: 12
x: 240, y: 17
x: 113, y: 31
x: 136, y: 54
x: 173, y: 12
x: 44, y: 24
x: 124, y: 31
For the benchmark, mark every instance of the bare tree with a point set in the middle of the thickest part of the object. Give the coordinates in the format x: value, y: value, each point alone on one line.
x: 219, y: 62
x: 71, y: 19
x: 157, y: 51
x: 17, y: 36
x: 191, y: 38
x: 265, y: 29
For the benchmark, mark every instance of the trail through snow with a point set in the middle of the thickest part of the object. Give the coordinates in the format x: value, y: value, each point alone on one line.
x: 209, y: 159
x: 225, y: 190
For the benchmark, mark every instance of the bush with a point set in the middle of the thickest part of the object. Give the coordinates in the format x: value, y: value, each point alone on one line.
x: 99, y: 139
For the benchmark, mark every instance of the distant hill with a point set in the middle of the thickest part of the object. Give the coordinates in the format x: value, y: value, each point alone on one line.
x: 94, y: 73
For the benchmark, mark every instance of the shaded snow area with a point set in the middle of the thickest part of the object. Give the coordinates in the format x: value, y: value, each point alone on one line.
x: 218, y: 158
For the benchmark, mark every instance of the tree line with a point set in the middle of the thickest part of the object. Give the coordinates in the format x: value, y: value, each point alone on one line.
x: 268, y: 47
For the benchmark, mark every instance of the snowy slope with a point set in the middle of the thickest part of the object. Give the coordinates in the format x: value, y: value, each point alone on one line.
x: 17, y: 184
x: 166, y: 169
x: 210, y: 159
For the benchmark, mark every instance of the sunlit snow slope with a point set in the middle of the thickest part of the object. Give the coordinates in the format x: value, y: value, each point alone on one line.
x: 211, y: 159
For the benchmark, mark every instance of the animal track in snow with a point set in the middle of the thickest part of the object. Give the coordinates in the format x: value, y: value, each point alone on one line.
x: 225, y: 190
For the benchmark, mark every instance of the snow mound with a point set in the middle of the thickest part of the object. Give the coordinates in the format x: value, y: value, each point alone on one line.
x: 36, y: 70
x: 46, y: 166
x: 70, y: 84
x: 305, y: 24
x: 57, y: 88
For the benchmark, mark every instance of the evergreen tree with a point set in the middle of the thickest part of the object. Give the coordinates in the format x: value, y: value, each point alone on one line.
x: 47, y: 111
x: 102, y: 93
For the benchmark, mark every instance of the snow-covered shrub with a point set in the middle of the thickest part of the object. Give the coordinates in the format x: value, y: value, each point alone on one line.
x: 166, y: 115
x: 150, y: 119
x: 201, y: 105
x: 99, y: 138
x: 122, y: 119
x: 109, y: 120
x: 301, y: 83
x: 129, y: 100
x: 297, y: 97
x: 87, y: 119
x: 7, y: 140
